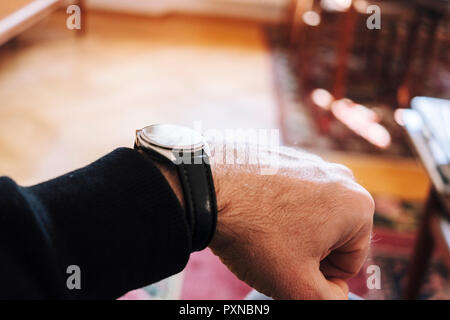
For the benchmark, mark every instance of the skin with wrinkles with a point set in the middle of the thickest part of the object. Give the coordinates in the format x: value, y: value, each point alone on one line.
x: 297, y: 234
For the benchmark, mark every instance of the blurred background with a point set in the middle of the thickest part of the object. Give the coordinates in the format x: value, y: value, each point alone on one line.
x: 323, y: 72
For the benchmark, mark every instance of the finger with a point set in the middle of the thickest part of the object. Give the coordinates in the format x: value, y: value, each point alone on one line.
x: 346, y: 261
x: 309, y: 284
x: 331, y: 288
x: 341, y: 286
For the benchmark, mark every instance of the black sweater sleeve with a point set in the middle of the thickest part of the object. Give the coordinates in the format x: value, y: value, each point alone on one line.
x: 117, y: 219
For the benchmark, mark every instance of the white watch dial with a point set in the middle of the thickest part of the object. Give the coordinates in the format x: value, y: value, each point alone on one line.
x: 171, y: 136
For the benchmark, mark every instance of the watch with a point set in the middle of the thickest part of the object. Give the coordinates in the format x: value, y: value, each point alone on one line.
x: 186, y: 150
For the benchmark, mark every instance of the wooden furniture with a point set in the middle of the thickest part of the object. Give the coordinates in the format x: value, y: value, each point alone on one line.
x: 17, y: 16
x: 429, y: 16
x: 434, y: 228
x: 389, y: 65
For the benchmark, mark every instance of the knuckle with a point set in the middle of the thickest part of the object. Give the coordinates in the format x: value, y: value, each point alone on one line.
x: 345, y: 171
x: 368, y: 201
x: 366, y: 205
x: 341, y: 171
x: 358, y: 199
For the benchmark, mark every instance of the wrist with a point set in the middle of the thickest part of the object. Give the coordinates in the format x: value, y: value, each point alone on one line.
x: 221, y: 177
x: 218, y: 173
x: 171, y: 177
x: 184, y: 150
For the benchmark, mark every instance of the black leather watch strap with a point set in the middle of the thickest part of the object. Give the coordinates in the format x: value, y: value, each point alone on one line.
x: 199, y: 196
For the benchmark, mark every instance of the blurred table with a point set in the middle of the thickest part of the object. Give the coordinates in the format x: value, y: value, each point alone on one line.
x: 434, y: 228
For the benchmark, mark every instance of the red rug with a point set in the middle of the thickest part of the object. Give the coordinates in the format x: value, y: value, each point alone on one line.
x: 207, y: 278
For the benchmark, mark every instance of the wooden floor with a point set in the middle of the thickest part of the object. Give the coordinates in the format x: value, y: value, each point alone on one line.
x: 66, y: 100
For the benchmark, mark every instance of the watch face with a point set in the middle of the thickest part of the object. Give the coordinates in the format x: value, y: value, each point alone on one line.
x: 171, y: 136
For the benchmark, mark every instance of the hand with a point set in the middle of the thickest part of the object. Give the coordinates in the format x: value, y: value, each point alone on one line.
x: 296, y: 234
